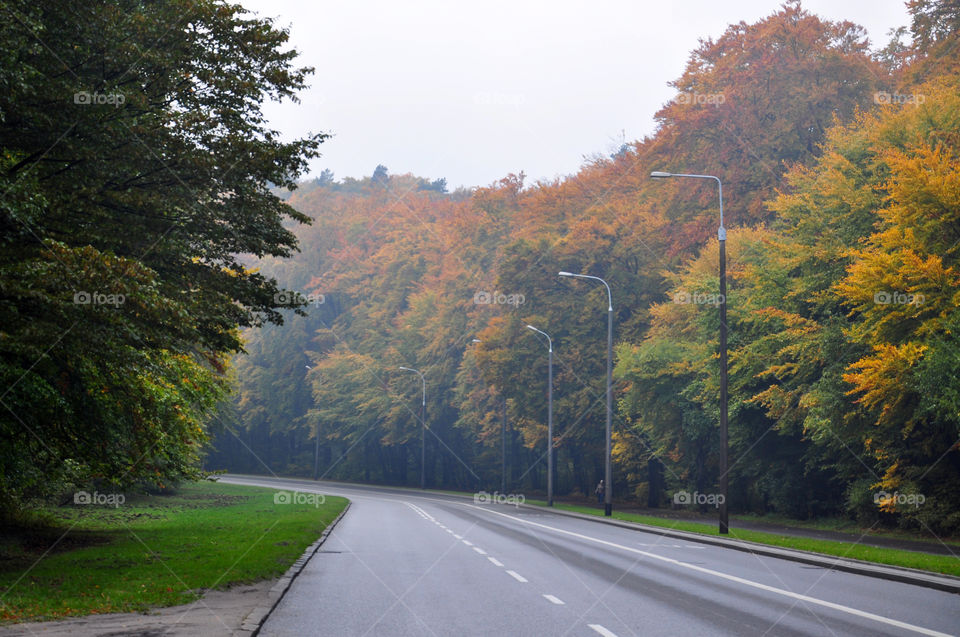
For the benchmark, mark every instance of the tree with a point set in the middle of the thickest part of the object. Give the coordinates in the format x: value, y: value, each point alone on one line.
x: 140, y: 169
x: 380, y: 175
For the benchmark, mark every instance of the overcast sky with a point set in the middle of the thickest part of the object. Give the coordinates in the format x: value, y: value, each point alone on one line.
x: 474, y: 91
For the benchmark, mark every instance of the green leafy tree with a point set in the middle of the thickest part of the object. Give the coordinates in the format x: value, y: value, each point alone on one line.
x: 139, y: 168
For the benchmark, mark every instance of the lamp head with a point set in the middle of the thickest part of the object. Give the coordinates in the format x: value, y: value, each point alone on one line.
x: 564, y: 273
x: 660, y: 175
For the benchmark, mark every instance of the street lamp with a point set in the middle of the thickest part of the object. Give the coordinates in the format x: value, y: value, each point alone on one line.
x: 608, y: 477
x: 722, y: 238
x: 549, y: 414
x: 423, y: 428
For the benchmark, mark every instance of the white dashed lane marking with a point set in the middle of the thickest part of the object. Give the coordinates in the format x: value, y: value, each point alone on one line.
x: 603, y: 631
x: 553, y: 599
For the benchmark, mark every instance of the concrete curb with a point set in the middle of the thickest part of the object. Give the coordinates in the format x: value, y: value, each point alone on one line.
x: 254, y: 621
x: 902, y: 574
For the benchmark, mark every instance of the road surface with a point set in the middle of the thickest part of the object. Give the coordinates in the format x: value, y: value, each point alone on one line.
x: 410, y: 563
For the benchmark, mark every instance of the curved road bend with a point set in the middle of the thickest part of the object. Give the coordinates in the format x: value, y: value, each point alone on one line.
x: 410, y: 563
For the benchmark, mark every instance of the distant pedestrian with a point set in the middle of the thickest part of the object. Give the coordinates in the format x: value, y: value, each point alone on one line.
x: 599, y: 493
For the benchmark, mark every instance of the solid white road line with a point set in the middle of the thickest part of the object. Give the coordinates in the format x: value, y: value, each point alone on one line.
x: 495, y: 561
x: 517, y: 576
x: 555, y: 600
x: 421, y: 512
x: 731, y: 578
x: 603, y: 631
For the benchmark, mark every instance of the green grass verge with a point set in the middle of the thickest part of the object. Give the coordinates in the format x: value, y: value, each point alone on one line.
x: 945, y: 564
x: 158, y: 550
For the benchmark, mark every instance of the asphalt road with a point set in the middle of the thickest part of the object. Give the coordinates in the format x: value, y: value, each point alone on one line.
x: 410, y: 563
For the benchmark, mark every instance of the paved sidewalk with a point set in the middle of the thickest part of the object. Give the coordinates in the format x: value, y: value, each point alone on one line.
x: 216, y: 614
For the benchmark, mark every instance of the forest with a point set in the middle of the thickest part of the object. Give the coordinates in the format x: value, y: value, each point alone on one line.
x: 840, y: 165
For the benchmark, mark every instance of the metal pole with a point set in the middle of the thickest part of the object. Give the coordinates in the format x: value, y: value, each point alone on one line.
x: 608, y: 480
x: 724, y: 521
x: 724, y: 442
x: 549, y: 414
x: 724, y: 482
x: 503, y: 447
x: 550, y: 428
x: 423, y: 439
x: 608, y: 472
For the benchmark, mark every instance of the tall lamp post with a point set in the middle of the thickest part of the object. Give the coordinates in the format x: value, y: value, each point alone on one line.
x: 549, y: 414
x: 722, y: 239
x: 608, y: 477
x: 423, y: 428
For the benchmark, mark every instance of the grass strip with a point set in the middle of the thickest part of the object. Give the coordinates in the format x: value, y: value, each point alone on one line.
x: 946, y: 564
x: 160, y: 550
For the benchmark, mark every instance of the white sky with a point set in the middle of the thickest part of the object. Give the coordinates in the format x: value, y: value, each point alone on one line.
x: 473, y: 91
